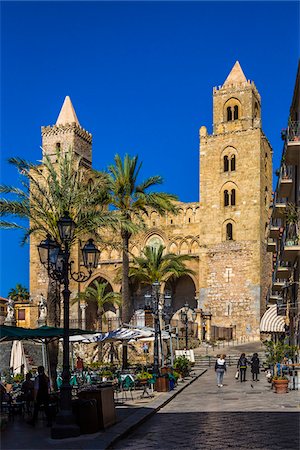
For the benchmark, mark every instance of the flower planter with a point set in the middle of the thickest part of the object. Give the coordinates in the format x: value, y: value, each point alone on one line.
x: 162, y: 384
x: 281, y: 386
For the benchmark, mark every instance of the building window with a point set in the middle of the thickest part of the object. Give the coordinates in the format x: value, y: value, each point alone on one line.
x: 58, y: 146
x: 189, y: 220
x: 171, y: 221
x: 232, y: 163
x: 229, y: 232
x: 235, y: 112
x: 232, y: 197
x: 21, y: 314
x: 226, y: 198
x: 226, y: 164
x: 229, y: 113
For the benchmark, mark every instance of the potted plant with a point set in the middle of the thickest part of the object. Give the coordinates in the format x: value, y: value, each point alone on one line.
x: 182, y: 366
x: 275, y: 353
x: 292, y: 218
x: 283, y: 133
x: 143, y: 376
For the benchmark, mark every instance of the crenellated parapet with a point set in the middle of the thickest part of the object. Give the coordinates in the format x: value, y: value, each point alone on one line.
x: 60, y: 130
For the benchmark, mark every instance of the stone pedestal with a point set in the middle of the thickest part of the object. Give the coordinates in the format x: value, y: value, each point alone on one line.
x: 10, y: 322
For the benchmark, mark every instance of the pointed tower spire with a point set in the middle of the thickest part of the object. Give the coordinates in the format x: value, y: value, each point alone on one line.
x: 67, y: 113
x: 236, y: 75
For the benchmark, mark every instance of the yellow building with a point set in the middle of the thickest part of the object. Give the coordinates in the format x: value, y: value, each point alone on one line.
x: 225, y: 230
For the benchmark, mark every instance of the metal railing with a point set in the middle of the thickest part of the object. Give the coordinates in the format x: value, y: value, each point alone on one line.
x: 293, y: 131
x: 286, y: 173
x: 290, y: 236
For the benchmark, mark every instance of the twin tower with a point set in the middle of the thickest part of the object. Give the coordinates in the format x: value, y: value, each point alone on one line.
x: 225, y: 230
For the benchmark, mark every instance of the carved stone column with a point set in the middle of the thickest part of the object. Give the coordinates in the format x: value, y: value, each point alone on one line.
x: 83, y: 307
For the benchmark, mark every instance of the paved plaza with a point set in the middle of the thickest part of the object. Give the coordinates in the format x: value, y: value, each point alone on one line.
x: 238, y: 416
x: 201, y: 416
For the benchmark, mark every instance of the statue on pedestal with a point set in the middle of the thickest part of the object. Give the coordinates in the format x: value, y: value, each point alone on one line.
x: 10, y: 319
x: 42, y: 311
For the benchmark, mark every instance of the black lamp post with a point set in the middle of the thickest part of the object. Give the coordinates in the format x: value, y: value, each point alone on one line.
x: 152, y: 303
x: 185, y: 320
x: 155, y: 299
x: 55, y: 258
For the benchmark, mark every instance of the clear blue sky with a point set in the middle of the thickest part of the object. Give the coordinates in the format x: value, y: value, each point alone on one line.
x: 140, y: 76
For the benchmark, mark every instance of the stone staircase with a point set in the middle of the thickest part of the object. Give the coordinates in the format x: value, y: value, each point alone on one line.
x: 33, y: 353
x: 206, y: 361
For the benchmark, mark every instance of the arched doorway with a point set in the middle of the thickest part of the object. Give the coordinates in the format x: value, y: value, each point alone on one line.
x: 182, y: 290
x: 110, y: 318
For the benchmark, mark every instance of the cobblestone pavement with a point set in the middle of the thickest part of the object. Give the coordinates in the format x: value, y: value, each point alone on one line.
x: 238, y: 416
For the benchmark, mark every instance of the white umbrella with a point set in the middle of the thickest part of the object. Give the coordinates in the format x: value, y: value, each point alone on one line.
x: 18, y: 358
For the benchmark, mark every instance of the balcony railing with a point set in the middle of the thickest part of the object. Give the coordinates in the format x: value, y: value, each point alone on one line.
x: 293, y: 131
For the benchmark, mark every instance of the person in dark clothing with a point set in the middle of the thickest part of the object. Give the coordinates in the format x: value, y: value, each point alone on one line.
x: 242, y: 365
x: 255, y: 366
x: 41, y: 395
x: 27, y: 390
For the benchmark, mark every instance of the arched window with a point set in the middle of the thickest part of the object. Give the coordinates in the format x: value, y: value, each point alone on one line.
x: 58, y: 146
x: 226, y: 164
x: 226, y: 198
x: 232, y: 163
x: 232, y: 197
x: 229, y: 113
x: 229, y: 232
x: 235, y: 112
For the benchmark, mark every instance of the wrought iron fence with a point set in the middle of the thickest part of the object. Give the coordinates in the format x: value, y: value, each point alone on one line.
x: 293, y: 131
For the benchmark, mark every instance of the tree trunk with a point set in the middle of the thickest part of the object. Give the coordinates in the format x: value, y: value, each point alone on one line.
x: 127, y: 307
x: 53, y: 320
x: 100, y: 345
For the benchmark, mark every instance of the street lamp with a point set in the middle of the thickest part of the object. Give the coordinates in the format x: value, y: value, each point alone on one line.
x: 56, y: 259
x: 185, y: 320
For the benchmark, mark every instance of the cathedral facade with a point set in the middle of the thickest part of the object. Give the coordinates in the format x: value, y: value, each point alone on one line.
x: 225, y: 230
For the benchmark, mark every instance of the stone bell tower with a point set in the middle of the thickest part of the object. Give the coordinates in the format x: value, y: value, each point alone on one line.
x: 235, y: 193
x: 67, y: 134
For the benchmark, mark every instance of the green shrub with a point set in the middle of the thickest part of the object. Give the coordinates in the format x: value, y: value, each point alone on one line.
x: 143, y: 376
x: 18, y: 377
x: 182, y: 365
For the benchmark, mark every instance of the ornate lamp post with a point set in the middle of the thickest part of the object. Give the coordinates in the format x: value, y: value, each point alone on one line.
x: 185, y: 320
x: 56, y: 259
x: 152, y: 303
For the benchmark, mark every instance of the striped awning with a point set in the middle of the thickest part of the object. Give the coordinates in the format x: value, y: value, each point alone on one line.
x: 271, y: 322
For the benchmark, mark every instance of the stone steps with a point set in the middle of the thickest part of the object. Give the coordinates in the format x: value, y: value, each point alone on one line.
x: 204, y: 361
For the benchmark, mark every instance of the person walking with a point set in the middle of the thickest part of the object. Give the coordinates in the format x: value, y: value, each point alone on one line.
x: 242, y: 366
x: 255, y: 366
x: 41, y: 395
x: 27, y: 390
x: 220, y: 369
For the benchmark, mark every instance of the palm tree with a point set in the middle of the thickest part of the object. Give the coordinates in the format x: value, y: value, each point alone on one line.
x: 48, y: 191
x: 153, y: 265
x: 98, y: 292
x: 19, y: 293
x: 133, y: 200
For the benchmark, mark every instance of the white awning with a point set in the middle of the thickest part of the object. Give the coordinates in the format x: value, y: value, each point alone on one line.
x: 271, y: 322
